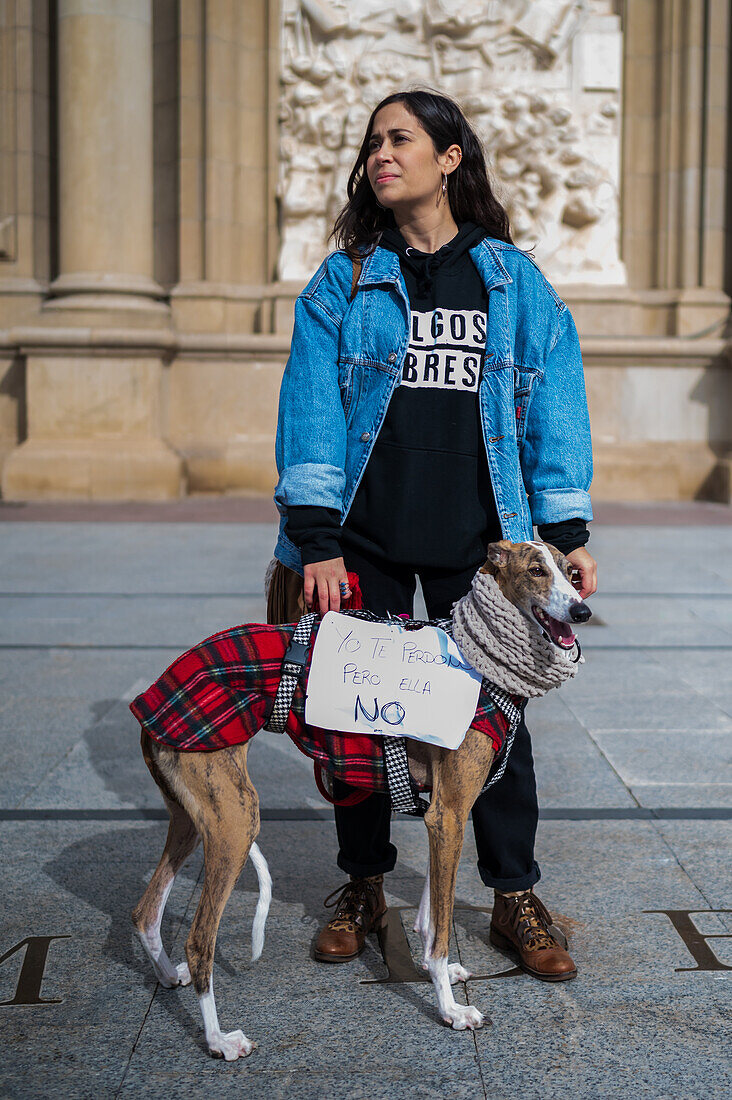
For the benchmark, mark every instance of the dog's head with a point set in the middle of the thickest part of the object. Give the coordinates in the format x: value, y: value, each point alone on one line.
x: 536, y: 579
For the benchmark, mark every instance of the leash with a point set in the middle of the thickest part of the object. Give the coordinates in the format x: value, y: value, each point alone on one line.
x: 294, y: 662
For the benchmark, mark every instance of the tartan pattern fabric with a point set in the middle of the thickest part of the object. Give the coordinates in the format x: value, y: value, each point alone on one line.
x: 221, y: 693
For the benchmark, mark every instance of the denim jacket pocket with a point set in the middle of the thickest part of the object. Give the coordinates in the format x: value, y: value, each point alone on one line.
x: 523, y: 384
x: 345, y: 384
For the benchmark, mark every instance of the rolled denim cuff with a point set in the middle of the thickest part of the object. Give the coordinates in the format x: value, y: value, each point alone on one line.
x: 555, y: 505
x: 313, y: 483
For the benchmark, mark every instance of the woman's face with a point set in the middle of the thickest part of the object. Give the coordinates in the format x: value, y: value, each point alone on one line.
x: 402, y: 166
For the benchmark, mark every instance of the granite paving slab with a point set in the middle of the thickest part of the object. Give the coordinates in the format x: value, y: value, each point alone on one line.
x: 631, y: 759
x: 177, y: 558
x: 664, y: 755
x: 570, y: 767
x: 647, y: 560
x: 176, y: 622
x: 57, y: 706
x: 117, y: 1033
x: 682, y: 793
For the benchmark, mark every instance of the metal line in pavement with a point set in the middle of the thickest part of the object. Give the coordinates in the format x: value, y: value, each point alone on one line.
x: 558, y: 813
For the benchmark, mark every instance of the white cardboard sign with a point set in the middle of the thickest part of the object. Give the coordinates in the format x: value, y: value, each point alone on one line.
x: 379, y: 678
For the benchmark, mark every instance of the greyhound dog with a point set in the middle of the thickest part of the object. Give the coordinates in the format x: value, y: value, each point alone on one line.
x: 210, y: 797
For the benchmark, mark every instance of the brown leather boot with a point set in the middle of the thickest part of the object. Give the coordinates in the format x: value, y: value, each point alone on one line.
x: 359, y: 907
x: 520, y: 927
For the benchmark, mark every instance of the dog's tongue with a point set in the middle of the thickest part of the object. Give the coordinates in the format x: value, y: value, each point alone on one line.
x: 560, y: 632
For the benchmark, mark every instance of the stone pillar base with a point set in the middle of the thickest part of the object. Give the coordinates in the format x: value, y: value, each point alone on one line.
x: 243, y: 465
x: 60, y: 469
x: 660, y: 472
x: 700, y: 310
x: 91, y: 291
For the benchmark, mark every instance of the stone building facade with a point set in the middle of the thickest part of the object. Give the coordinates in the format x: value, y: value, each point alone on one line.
x: 169, y: 171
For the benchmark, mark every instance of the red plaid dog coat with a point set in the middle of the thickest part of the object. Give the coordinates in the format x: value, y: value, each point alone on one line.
x: 221, y: 692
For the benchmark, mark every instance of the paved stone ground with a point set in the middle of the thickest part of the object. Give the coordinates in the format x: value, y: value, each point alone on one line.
x: 633, y: 760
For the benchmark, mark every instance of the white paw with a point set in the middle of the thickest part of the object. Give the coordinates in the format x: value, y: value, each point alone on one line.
x: 184, y: 974
x: 168, y: 979
x: 464, y: 1017
x: 231, y: 1046
x: 457, y: 973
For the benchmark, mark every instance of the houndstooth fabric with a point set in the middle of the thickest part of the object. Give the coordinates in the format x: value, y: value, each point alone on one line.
x: 399, y: 620
x: 291, y: 673
x: 512, y: 713
x: 402, y: 792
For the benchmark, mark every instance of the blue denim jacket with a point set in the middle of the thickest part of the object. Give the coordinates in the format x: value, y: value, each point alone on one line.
x: 346, y: 362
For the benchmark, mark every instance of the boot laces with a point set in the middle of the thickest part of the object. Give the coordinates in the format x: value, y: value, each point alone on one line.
x: 355, y: 904
x: 531, y: 921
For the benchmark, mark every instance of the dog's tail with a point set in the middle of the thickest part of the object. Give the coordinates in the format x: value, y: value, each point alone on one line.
x: 265, y: 897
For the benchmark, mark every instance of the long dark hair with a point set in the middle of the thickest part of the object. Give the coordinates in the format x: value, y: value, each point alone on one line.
x: 361, y: 221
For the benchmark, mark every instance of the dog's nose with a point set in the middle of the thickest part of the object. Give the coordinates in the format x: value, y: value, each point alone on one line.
x: 580, y: 613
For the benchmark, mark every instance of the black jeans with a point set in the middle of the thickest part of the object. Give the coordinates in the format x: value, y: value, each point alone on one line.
x: 504, y: 818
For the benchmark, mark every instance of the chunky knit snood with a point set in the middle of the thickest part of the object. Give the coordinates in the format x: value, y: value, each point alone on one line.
x: 501, y: 644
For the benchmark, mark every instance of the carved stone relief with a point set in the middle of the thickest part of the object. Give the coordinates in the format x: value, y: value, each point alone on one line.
x: 539, y: 80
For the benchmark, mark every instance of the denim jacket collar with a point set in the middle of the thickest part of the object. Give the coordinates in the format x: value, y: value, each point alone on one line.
x: 382, y: 266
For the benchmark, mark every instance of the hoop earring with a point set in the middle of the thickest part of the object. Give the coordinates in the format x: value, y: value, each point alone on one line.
x: 444, y: 184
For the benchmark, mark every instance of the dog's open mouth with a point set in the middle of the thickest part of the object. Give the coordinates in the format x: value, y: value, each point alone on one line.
x: 556, y: 631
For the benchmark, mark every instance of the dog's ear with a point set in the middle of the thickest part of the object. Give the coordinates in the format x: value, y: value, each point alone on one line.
x: 498, y: 553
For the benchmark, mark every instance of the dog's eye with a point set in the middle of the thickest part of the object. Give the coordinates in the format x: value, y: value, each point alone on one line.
x: 537, y: 571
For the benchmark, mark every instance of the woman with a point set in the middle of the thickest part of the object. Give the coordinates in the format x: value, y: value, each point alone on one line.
x: 433, y: 402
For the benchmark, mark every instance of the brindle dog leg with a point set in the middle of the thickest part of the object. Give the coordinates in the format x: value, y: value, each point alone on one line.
x: 225, y: 808
x: 147, y: 915
x: 423, y: 924
x: 457, y: 780
x: 213, y: 793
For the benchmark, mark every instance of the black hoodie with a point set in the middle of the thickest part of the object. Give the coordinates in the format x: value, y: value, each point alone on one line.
x: 425, y: 498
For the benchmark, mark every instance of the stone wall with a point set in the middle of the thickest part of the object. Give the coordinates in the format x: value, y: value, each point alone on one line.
x: 168, y: 173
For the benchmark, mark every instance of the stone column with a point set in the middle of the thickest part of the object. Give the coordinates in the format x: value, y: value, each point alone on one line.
x: 95, y: 373
x: 223, y: 402
x: 676, y: 155
x: 228, y: 103
x: 105, y: 156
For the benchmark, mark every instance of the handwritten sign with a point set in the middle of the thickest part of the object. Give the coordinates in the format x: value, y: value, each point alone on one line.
x: 379, y: 678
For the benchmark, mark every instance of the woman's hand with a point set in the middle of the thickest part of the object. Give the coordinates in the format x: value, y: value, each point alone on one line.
x: 326, y: 576
x: 586, y: 566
